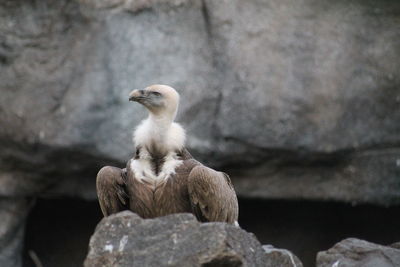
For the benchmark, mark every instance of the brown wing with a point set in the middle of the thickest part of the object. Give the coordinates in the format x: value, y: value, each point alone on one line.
x: 212, y: 195
x: 111, y: 190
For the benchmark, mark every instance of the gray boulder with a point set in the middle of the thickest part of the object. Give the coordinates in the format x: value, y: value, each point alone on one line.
x: 124, y: 239
x: 280, y: 257
x: 354, y: 252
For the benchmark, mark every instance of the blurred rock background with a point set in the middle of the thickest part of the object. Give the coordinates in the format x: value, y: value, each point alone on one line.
x: 296, y: 100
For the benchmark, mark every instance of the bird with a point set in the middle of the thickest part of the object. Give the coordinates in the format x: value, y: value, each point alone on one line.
x: 163, y: 177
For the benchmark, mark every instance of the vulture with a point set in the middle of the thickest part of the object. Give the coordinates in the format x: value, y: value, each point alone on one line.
x: 163, y: 178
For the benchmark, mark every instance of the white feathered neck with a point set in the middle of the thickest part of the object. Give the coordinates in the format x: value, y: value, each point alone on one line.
x: 161, y: 131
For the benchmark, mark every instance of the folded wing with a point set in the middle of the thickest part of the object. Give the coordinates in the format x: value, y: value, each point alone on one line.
x: 111, y: 190
x: 212, y: 195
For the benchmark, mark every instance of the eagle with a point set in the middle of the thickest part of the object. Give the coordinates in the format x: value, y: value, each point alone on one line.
x: 163, y: 178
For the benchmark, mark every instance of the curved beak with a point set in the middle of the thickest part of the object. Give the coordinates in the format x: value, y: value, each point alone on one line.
x: 137, y: 95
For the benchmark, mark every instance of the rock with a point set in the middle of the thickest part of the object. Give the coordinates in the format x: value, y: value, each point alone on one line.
x: 293, y: 103
x: 124, y: 239
x: 294, y: 99
x: 131, y: 6
x: 298, y: 77
x: 13, y: 213
x: 395, y: 245
x: 353, y: 252
x: 281, y: 257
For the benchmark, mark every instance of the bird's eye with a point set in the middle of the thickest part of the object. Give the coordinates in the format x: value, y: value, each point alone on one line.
x: 156, y: 93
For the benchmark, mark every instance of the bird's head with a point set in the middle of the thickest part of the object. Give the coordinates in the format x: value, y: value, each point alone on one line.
x: 158, y: 99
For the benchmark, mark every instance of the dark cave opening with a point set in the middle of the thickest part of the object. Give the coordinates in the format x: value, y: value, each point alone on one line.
x: 58, y: 230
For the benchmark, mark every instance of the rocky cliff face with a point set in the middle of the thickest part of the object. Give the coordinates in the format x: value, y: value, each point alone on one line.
x: 295, y: 100
x: 284, y: 95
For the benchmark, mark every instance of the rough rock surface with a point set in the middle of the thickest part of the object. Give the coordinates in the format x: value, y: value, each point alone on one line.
x: 278, y: 93
x: 395, y: 245
x: 294, y: 99
x: 354, y: 252
x: 13, y: 214
x: 124, y: 239
x: 280, y: 257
